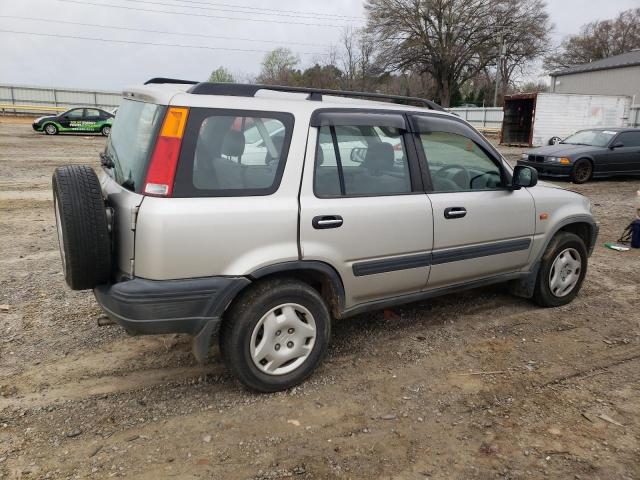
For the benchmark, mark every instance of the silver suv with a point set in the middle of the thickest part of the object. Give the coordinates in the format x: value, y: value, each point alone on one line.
x: 258, y: 214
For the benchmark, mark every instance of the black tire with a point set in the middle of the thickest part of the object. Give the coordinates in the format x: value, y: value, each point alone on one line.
x: 543, y: 294
x: 81, y: 220
x: 105, y: 130
x: 245, y: 314
x: 50, y: 129
x: 582, y: 171
x: 554, y: 140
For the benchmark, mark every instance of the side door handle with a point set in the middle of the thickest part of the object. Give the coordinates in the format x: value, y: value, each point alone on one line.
x: 326, y: 221
x: 454, y: 212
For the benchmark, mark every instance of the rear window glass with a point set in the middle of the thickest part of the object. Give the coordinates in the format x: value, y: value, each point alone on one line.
x: 233, y: 153
x: 130, y: 141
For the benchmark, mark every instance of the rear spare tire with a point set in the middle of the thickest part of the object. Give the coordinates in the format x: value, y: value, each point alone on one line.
x: 81, y: 221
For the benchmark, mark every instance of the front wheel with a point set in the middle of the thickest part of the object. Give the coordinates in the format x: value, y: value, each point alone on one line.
x: 50, y: 129
x: 275, y: 335
x: 582, y: 171
x: 562, y: 270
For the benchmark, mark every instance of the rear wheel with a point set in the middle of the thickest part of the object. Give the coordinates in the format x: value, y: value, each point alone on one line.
x: 50, y: 129
x: 562, y: 271
x: 81, y: 220
x: 275, y: 335
x: 582, y: 171
x: 106, y: 130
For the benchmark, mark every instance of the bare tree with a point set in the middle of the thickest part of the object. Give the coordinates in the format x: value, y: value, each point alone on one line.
x: 597, y: 40
x: 524, y: 41
x: 452, y: 40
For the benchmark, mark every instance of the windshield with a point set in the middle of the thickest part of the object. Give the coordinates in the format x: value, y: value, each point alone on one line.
x: 596, y: 138
x: 130, y: 141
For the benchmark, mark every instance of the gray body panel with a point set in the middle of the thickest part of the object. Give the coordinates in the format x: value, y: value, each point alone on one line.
x: 125, y: 205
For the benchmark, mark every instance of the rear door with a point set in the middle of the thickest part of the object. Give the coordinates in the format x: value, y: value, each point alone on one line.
x: 625, y: 158
x: 481, y: 228
x: 363, y: 208
x: 91, y: 120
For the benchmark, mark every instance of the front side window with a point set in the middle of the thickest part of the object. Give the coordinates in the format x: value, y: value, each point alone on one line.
x: 360, y: 161
x: 457, y: 163
x: 237, y: 155
x: 74, y: 114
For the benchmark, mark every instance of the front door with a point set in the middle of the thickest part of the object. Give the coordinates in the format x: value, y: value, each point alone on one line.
x: 71, y: 119
x: 363, y: 208
x: 481, y: 227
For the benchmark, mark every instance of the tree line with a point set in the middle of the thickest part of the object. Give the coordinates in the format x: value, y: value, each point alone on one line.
x: 452, y: 51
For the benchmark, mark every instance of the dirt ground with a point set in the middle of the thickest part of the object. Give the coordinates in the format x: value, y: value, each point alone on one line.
x: 473, y: 385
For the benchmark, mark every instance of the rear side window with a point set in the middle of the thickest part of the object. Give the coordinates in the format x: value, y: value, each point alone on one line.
x: 131, y: 141
x: 233, y: 153
x: 360, y: 161
x: 629, y: 139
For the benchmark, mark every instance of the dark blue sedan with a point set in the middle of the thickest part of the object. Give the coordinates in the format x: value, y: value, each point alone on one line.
x: 587, y: 154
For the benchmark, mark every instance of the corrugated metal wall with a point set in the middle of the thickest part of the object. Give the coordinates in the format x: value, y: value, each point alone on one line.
x: 53, y: 98
x: 615, y: 81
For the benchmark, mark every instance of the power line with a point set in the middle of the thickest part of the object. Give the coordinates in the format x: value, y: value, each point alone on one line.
x: 135, y: 42
x: 251, y: 8
x: 212, y: 7
x: 79, y: 2
x: 115, y: 27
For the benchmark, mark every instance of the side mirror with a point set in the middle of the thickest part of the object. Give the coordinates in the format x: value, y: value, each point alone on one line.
x: 524, y: 176
x: 616, y: 145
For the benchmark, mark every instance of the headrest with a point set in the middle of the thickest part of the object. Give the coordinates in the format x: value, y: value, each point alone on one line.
x: 233, y: 144
x: 379, y: 157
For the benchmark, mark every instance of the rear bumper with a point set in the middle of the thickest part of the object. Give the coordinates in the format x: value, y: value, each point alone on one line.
x: 548, y: 169
x: 192, y: 306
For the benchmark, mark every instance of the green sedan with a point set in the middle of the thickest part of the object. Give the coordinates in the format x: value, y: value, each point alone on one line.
x: 81, y: 120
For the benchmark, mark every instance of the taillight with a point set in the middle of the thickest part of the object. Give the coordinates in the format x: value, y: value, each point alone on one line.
x: 164, y: 161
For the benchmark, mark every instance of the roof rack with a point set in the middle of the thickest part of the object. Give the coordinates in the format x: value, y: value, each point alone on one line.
x: 169, y: 80
x: 315, y: 94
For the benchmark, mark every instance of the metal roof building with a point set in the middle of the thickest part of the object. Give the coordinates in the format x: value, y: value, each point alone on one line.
x: 617, y: 75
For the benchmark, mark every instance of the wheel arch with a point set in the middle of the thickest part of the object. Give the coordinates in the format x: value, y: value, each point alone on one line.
x: 319, y: 275
x: 581, y: 225
x: 50, y: 122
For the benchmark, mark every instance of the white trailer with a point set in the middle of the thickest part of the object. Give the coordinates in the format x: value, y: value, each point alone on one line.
x: 535, y: 119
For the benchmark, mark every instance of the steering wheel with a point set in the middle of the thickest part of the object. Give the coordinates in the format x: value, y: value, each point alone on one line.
x: 462, y: 169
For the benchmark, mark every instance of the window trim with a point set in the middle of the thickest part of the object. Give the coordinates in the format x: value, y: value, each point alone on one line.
x: 183, y: 186
x: 415, y: 170
x: 439, y: 124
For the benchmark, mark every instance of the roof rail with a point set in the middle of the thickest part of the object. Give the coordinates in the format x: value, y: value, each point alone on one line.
x: 315, y: 94
x: 169, y: 80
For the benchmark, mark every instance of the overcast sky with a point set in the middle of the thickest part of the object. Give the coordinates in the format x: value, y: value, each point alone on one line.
x: 236, y: 34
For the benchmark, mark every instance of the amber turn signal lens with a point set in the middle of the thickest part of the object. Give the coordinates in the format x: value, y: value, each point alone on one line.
x: 565, y: 161
x: 174, y: 122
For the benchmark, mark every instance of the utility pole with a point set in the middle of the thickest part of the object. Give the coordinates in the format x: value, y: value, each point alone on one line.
x: 501, y: 51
